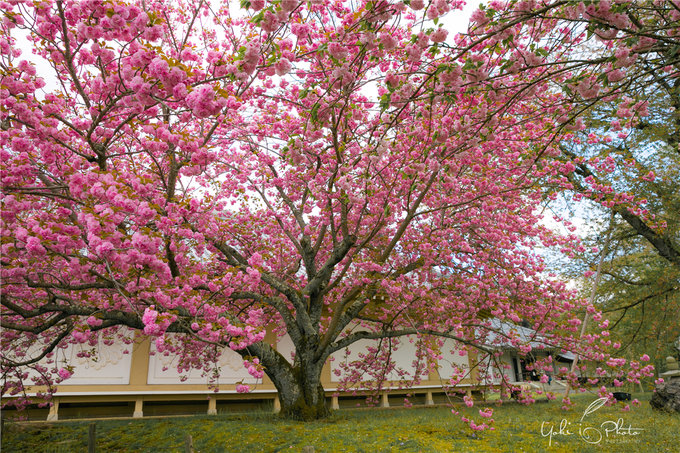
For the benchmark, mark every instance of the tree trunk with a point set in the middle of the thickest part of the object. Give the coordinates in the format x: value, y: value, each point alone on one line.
x: 300, y: 391
x: 306, y: 401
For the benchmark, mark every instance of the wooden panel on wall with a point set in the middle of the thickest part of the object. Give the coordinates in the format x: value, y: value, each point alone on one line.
x: 112, y: 366
x: 103, y: 363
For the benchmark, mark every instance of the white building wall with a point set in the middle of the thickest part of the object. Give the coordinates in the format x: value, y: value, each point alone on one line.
x: 404, y: 357
x: 286, y: 347
x: 454, y: 358
x: 163, y: 370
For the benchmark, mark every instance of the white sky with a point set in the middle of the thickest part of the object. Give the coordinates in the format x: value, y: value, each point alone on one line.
x: 457, y: 21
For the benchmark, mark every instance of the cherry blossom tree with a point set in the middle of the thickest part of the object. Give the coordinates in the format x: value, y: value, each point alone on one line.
x: 333, y: 171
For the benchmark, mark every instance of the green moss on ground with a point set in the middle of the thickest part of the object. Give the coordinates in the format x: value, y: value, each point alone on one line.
x: 517, y: 429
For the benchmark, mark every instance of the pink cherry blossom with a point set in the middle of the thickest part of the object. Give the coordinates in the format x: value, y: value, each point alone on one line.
x: 439, y: 35
x: 64, y: 373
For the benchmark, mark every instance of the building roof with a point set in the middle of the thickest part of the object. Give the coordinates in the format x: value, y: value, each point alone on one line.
x: 499, y: 333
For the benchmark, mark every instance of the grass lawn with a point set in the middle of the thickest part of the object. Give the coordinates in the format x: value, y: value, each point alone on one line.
x: 434, y: 429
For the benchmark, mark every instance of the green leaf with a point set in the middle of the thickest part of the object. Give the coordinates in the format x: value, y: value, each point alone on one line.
x: 385, y: 101
x: 258, y: 18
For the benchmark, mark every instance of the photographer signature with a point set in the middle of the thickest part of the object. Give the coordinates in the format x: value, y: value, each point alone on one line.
x: 589, y: 434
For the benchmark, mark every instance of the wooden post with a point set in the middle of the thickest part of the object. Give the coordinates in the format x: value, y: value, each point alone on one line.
x: 188, y: 444
x: 212, y: 405
x: 335, y: 404
x: 384, y: 400
x: 92, y: 438
x: 277, y: 405
x: 593, y: 293
x: 53, y: 415
x: 139, y: 408
x: 429, y: 401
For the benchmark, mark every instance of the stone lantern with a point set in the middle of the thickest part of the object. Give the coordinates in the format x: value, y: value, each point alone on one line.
x: 667, y: 394
x: 672, y: 369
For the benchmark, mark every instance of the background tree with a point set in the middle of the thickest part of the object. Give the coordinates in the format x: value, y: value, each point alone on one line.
x: 641, y: 281
x: 619, y: 71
